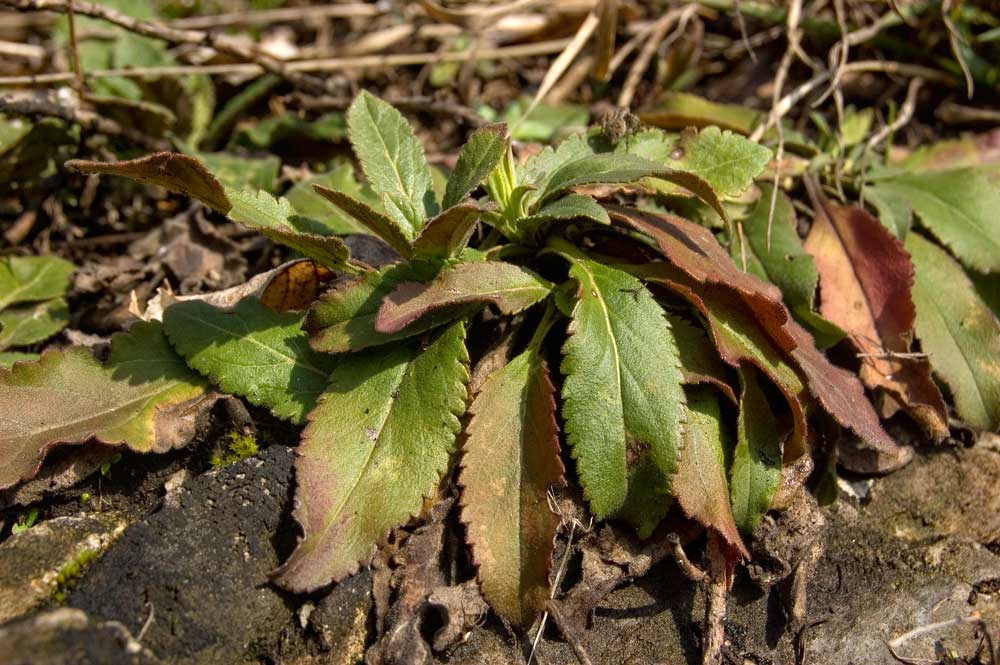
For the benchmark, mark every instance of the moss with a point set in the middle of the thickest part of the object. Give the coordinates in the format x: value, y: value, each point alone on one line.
x: 71, y: 571
x: 234, y: 447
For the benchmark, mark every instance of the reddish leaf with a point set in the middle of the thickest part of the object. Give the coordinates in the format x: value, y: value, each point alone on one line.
x: 379, y: 223
x: 700, y: 362
x: 865, y: 283
x: 695, y: 251
x: 448, y: 233
x: 511, y: 288
x: 511, y: 460
x: 700, y: 483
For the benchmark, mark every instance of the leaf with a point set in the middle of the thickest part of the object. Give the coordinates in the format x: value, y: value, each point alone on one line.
x: 544, y: 122
x: 274, y: 218
x: 343, y: 319
x: 623, y: 403
x: 393, y: 160
x: 700, y: 362
x: 508, y: 287
x: 959, y: 207
x: 240, y: 172
x: 701, y: 485
x: 398, y: 237
x: 511, y: 459
x: 958, y: 331
x: 20, y: 326
x: 695, y: 252
x: 865, y: 280
x: 69, y: 397
x: 277, y: 220
x: 679, y: 110
x: 571, y: 206
x: 893, y: 207
x: 172, y: 171
x: 310, y: 204
x: 8, y: 358
x: 756, y: 470
x: 728, y: 162
x: 974, y: 150
x: 376, y: 445
x: 785, y: 263
x: 251, y: 351
x: 477, y: 159
x: 32, y: 278
x: 447, y: 234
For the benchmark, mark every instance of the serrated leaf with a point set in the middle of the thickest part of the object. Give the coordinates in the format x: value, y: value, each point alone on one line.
x: 32, y: 278
x: 511, y: 459
x: 571, y: 206
x: 277, y: 220
x: 958, y: 331
x: 959, y: 207
x: 893, y: 207
x: 69, y: 397
x: 393, y: 160
x: 376, y: 445
x: 611, y: 168
x: 756, y: 470
x: 477, y: 159
x: 310, y: 204
x: 20, y: 326
x: 623, y: 403
x: 701, y: 485
x: 448, y: 233
x: 865, y: 282
x: 700, y: 362
x: 539, y: 168
x: 728, y: 162
x: 343, y: 319
x: 398, y: 237
x: 508, y: 287
x: 251, y: 351
x: 240, y: 172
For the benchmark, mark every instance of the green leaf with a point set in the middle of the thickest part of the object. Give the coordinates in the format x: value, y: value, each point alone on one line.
x: 511, y: 459
x: 728, y: 162
x: 679, y: 110
x: 958, y: 331
x: 539, y: 168
x: 508, y: 287
x: 756, y: 471
x: 447, y: 234
x: 398, y: 237
x: 277, y: 220
x: 893, y: 208
x: 623, y: 403
x: 486, y: 147
x: 69, y: 397
x: 571, y: 206
x: 785, y: 264
x: 308, y: 203
x: 20, y: 326
x: 959, y: 207
x: 545, y: 122
x: 700, y: 361
x: 376, y: 445
x: 701, y: 486
x: 32, y: 278
x: 393, y: 160
x: 8, y: 358
x: 251, y: 351
x: 343, y: 319
x: 240, y: 172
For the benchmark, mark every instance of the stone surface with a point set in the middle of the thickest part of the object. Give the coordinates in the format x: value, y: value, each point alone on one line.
x: 31, y: 561
x: 340, y: 620
x: 199, y: 566
x: 69, y: 637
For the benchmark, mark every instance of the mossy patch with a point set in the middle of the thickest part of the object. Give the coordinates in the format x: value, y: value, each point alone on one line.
x: 233, y: 447
x: 71, y: 571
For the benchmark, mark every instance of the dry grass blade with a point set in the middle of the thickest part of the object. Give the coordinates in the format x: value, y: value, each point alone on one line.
x: 645, y: 56
x: 269, y: 16
x: 906, y: 112
x: 956, y: 40
x: 607, y: 10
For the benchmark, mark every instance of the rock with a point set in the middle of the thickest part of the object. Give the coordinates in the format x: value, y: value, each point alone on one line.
x: 41, y: 562
x: 69, y: 637
x: 199, y: 566
x: 340, y: 620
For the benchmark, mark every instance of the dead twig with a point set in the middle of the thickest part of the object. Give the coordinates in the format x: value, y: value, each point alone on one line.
x: 574, y: 642
x: 645, y: 56
x: 220, y: 42
x: 956, y: 40
x: 281, y: 15
x: 715, y: 606
x: 88, y: 120
x: 413, y: 104
x: 974, y: 618
x: 906, y: 112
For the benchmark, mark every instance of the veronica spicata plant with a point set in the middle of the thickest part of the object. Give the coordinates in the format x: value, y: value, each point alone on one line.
x: 682, y: 379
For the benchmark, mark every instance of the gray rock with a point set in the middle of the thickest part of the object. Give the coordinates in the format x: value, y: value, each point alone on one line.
x: 197, y: 570
x: 341, y: 620
x: 69, y: 637
x: 39, y: 563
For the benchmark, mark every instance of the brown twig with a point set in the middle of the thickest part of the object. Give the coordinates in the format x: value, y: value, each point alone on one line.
x: 574, y: 642
x: 88, y: 120
x: 418, y: 104
x: 645, y: 56
x: 715, y: 605
x: 220, y: 42
x: 319, y: 64
x: 906, y: 112
x: 281, y: 15
x: 956, y: 40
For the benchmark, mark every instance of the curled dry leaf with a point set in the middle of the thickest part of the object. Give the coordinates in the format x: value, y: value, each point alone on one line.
x: 140, y: 398
x: 865, y: 283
